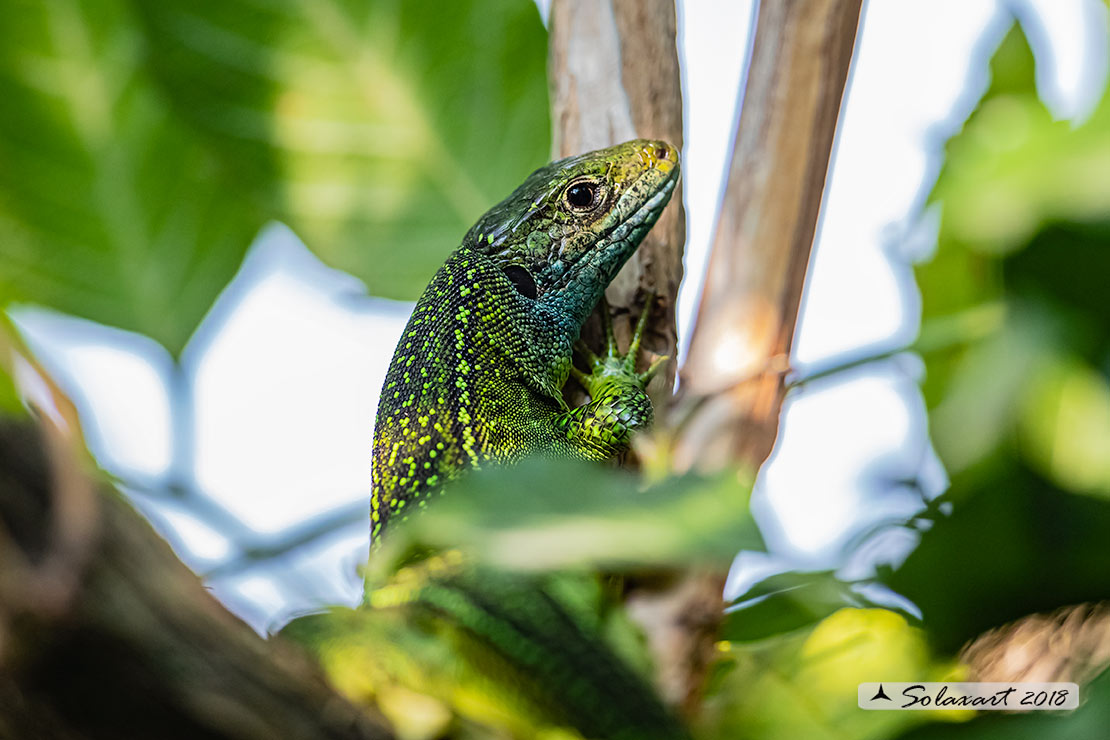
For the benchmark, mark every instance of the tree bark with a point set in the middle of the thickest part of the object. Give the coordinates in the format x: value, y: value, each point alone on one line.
x: 104, y: 633
x: 733, y: 380
x: 1070, y: 644
x: 614, y: 76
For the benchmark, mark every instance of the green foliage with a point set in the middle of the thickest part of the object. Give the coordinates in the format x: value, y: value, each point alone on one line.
x: 786, y: 602
x: 379, y: 131
x: 10, y: 404
x: 1015, y: 546
x: 1016, y: 342
x: 551, y: 515
x: 142, y: 145
x: 496, y: 587
x: 1024, y: 202
x: 414, y: 671
x: 9, y: 400
x: 12, y: 354
x: 803, y: 685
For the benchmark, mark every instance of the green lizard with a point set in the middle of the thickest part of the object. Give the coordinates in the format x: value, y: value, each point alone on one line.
x: 478, y: 377
x: 479, y: 370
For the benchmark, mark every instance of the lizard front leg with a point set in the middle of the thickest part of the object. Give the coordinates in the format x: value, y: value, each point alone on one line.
x: 619, y: 404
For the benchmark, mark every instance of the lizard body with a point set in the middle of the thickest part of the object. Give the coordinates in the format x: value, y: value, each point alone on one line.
x: 477, y: 377
x: 479, y: 370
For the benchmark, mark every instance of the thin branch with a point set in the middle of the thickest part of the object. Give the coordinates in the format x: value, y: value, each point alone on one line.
x: 291, y: 539
x: 796, y: 79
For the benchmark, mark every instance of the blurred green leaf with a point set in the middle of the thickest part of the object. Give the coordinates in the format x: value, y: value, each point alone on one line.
x: 143, y: 145
x: 110, y: 208
x: 786, y: 602
x: 557, y: 637
x: 984, y: 387
x: 1089, y: 722
x: 1051, y: 315
x: 548, y: 515
x: 1008, y: 173
x: 1064, y: 265
x: 411, y: 671
x: 1064, y: 426
x: 803, y: 684
x: 379, y: 131
x: 10, y: 404
x: 1009, y: 179
x: 1014, y: 545
x: 1016, y: 341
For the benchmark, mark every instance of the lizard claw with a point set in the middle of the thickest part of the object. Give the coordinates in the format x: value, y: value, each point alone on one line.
x: 582, y: 378
x: 587, y: 354
x: 638, y: 334
x: 613, y: 363
x: 619, y: 403
x: 657, y: 364
x: 611, y: 349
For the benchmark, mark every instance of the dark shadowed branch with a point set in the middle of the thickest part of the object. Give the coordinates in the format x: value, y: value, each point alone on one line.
x: 104, y: 633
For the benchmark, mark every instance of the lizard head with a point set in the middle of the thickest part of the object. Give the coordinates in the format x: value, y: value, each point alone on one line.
x: 562, y: 236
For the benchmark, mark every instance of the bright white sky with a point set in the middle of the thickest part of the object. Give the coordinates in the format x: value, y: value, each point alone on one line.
x: 289, y: 365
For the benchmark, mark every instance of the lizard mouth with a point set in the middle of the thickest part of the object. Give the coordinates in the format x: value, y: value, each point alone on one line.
x: 649, y: 210
x: 652, y: 189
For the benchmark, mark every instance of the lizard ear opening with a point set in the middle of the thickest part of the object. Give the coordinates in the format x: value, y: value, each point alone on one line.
x: 521, y: 280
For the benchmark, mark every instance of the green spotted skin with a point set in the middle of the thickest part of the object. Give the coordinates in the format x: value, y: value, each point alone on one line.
x: 543, y: 644
x: 478, y: 373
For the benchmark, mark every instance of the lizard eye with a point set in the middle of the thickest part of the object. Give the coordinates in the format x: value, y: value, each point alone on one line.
x: 521, y: 280
x: 582, y: 196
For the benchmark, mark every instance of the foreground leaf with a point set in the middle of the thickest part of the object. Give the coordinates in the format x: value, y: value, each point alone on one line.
x: 548, y: 515
x: 803, y: 685
x: 514, y: 652
x: 786, y: 602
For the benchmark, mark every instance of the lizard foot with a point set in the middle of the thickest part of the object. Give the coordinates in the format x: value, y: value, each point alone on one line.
x: 614, y: 368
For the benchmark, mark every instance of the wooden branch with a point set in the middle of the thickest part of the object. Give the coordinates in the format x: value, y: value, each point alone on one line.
x: 613, y: 70
x: 765, y: 231
x: 104, y: 633
x: 733, y: 378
